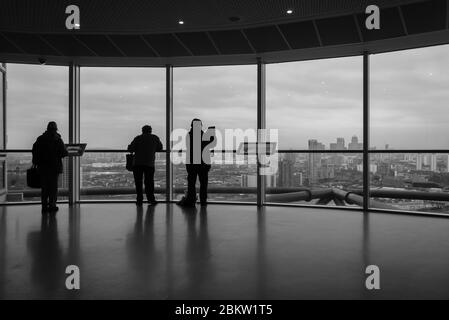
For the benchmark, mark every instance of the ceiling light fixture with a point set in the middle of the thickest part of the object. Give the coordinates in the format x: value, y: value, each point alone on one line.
x: 289, y: 11
x: 181, y: 22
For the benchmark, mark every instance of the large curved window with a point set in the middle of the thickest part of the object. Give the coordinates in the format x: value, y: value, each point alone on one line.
x: 316, y: 106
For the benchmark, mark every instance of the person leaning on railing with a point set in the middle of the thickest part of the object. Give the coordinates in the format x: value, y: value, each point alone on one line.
x: 144, y: 148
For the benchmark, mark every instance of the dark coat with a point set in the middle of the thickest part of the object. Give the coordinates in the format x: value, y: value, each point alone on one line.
x: 48, y: 151
x: 145, y: 147
x: 204, y: 144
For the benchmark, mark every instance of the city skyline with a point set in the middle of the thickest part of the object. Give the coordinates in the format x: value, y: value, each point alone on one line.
x: 105, y: 174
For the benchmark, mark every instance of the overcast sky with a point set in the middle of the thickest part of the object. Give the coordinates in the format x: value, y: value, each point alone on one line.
x: 305, y: 100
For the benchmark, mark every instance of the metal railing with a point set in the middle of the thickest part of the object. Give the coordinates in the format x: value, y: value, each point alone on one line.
x: 278, y: 195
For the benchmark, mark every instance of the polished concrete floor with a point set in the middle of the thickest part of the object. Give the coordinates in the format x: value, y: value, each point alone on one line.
x: 222, y: 252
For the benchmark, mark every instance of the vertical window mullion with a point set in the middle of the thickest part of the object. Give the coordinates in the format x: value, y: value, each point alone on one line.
x: 261, y: 124
x: 168, y: 130
x: 366, y: 131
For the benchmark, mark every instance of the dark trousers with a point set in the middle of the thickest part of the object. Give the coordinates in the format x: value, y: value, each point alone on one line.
x: 49, y: 186
x: 146, y: 174
x: 202, y: 172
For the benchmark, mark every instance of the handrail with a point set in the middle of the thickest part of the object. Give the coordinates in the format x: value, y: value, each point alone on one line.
x: 276, y: 194
x: 354, y: 198
x: 306, y: 195
x: 407, y: 194
x: 159, y: 190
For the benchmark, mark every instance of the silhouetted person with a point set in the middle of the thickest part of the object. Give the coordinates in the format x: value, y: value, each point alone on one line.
x: 144, y: 148
x: 198, y: 162
x: 48, y: 151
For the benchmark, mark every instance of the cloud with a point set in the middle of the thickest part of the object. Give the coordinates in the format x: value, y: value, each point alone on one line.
x: 320, y: 99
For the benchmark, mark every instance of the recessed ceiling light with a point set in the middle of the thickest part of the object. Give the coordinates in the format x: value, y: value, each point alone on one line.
x: 181, y: 22
x: 289, y: 11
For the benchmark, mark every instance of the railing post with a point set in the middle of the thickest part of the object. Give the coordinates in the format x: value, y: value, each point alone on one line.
x: 366, y: 131
x: 168, y: 130
x: 261, y: 124
x: 74, y: 132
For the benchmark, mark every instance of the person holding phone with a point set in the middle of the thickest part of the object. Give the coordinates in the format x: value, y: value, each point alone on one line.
x: 198, y: 161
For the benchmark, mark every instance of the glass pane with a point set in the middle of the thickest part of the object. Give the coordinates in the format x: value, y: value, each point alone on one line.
x: 117, y: 102
x: 318, y: 100
x: 410, y: 182
x: 36, y: 95
x: 104, y: 176
x: 317, y: 179
x: 409, y: 99
x: 18, y: 191
x: 224, y: 97
x: 231, y: 178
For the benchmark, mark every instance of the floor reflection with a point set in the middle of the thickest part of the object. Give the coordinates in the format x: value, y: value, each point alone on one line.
x: 199, y: 270
x: 47, y: 266
x: 74, y: 255
x: 169, y: 272
x: 141, y: 248
x: 261, y: 261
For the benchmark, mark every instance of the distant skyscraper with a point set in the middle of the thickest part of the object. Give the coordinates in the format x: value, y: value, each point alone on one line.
x: 433, y: 163
x: 354, y: 144
x: 314, y: 161
x: 285, y: 173
x: 298, y: 179
x: 248, y: 180
x: 447, y: 162
x: 327, y: 171
x: 419, y: 162
x: 340, y: 145
x: 426, y: 159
